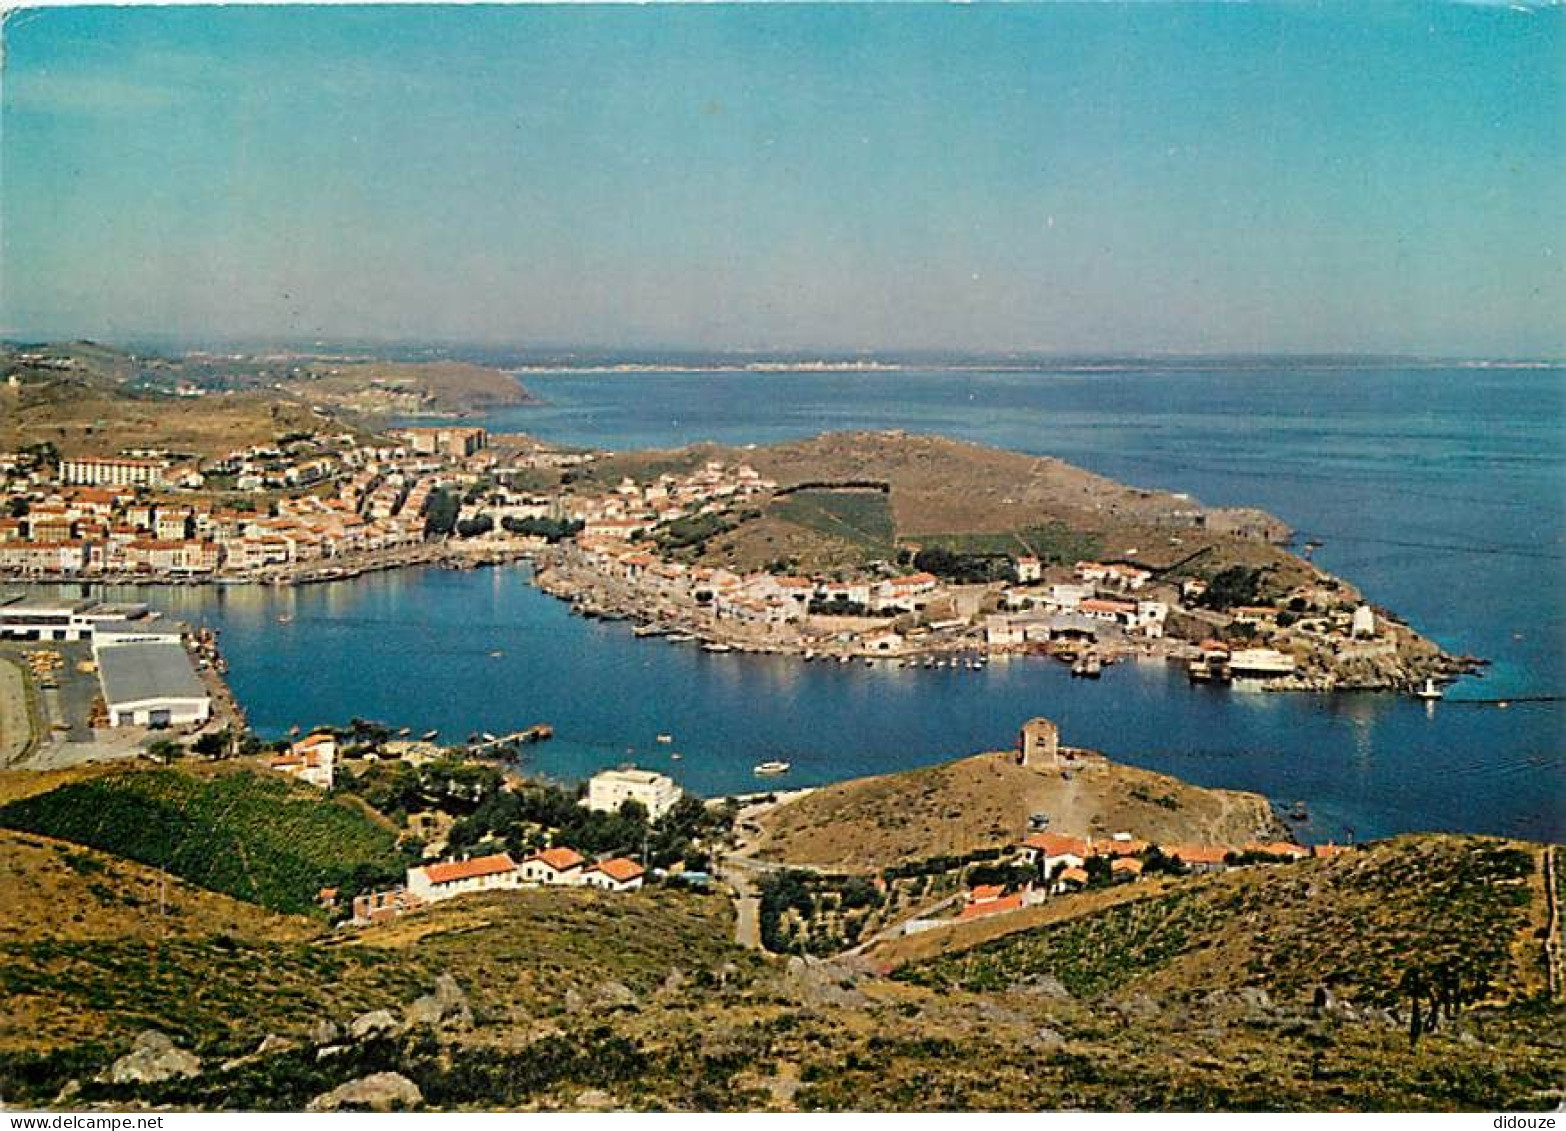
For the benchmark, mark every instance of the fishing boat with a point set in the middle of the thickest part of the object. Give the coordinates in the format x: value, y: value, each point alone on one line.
x: 1088, y: 666
x: 676, y: 756
x: 429, y: 736
x: 767, y: 769
x: 716, y: 648
x: 666, y: 738
x: 1429, y: 691
x: 495, y: 655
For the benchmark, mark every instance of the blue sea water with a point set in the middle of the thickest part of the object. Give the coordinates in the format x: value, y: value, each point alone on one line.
x: 1439, y: 491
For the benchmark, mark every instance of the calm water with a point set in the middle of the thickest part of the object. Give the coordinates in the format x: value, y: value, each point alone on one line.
x: 1439, y: 492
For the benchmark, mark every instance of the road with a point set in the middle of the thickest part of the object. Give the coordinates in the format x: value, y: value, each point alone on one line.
x: 16, y: 716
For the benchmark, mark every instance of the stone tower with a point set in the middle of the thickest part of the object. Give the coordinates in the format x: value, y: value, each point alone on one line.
x: 1039, y: 743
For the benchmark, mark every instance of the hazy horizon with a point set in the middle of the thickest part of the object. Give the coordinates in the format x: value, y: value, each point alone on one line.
x: 1105, y: 181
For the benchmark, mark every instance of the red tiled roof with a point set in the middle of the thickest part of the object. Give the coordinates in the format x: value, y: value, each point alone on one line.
x: 1325, y: 850
x: 454, y: 870
x: 986, y: 892
x: 1127, y: 864
x: 992, y: 907
x: 560, y: 859
x: 1197, y: 853
x: 620, y: 869
x: 1073, y: 876
x: 1054, y: 844
x: 1278, y: 848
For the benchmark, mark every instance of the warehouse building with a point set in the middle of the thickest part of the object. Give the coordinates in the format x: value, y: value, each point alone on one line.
x: 151, y: 683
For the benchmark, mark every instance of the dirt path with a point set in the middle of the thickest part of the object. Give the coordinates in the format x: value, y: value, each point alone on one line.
x: 16, y: 716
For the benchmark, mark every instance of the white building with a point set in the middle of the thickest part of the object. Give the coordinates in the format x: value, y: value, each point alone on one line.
x: 113, y: 472
x: 434, y: 882
x: 618, y: 874
x: 1364, y: 621
x: 656, y: 793
x: 151, y: 683
x: 313, y: 760
x: 556, y: 867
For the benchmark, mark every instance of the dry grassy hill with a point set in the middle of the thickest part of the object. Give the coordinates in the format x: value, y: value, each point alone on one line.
x: 964, y: 497
x: 986, y: 800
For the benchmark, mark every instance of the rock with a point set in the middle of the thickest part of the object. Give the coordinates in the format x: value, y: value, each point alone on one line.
x: 271, y: 1045
x: 822, y: 982
x: 574, y: 1001
x: 673, y: 982
x: 153, y: 1058
x: 1256, y: 999
x: 72, y: 1089
x: 324, y: 1032
x: 326, y: 1051
x: 381, y: 1091
x: 1048, y: 1038
x: 376, y: 1023
x: 446, y: 1008
x: 614, y: 995
x: 1140, y: 1006
x: 593, y: 1100
x: 1044, y: 985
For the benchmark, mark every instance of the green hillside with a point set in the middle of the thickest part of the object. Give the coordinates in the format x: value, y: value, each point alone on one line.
x: 1451, y: 917
x: 260, y: 838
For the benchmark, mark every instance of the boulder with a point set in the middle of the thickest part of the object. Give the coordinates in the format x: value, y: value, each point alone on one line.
x: 1047, y: 1038
x: 613, y: 995
x: 381, y: 1091
x: 593, y: 1100
x: 376, y: 1023
x: 324, y: 1032
x: 271, y: 1045
x: 445, y: 1008
x: 1044, y: 985
x: 574, y: 1001
x: 153, y: 1058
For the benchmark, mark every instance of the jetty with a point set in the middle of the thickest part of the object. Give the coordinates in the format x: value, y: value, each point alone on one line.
x: 538, y: 733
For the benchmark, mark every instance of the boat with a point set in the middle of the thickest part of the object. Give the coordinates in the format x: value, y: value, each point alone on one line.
x: 1429, y: 691
x: 429, y: 736
x: 772, y: 768
x: 666, y: 738
x: 404, y: 732
x: 496, y: 654
x: 285, y: 618
x: 488, y: 737
x: 1088, y: 666
x: 716, y: 648
x: 675, y: 757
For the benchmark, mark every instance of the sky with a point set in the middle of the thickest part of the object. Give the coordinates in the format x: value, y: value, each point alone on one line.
x: 1108, y: 178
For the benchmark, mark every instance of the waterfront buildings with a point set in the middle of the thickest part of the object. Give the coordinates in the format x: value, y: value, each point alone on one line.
x: 150, y: 683
x: 656, y: 793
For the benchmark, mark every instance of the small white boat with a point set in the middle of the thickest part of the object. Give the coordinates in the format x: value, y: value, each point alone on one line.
x: 675, y: 757
x: 666, y: 738
x: 772, y: 768
x: 716, y: 648
x: 1429, y: 691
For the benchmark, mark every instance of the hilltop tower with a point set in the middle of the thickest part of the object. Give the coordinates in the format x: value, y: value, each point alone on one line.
x: 1038, y: 744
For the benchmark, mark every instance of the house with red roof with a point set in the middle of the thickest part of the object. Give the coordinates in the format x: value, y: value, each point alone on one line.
x: 434, y: 882
x: 619, y: 874
x: 555, y: 867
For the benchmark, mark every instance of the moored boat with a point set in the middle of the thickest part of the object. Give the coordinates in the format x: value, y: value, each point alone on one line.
x: 771, y: 768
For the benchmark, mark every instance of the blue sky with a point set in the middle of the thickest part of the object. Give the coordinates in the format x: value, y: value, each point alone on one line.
x: 1179, y: 177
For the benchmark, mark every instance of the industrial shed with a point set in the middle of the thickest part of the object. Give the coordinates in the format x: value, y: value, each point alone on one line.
x: 151, y: 683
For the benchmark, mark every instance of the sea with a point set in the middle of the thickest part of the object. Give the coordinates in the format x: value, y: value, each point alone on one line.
x: 1439, y: 490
